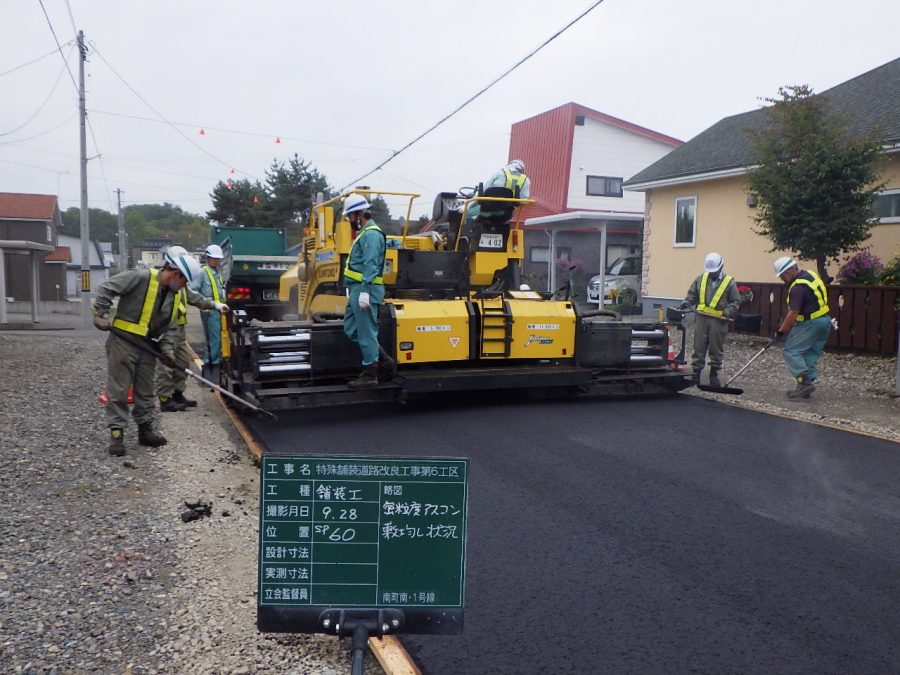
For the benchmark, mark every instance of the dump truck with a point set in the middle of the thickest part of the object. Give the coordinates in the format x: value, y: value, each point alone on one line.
x: 456, y: 318
x: 253, y: 262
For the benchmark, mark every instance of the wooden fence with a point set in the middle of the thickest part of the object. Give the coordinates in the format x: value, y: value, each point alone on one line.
x: 867, y: 315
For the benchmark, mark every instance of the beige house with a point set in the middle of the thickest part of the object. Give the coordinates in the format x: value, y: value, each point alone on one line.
x: 696, y: 198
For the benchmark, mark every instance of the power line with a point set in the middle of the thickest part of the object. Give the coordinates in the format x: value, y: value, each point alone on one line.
x: 479, y: 93
x: 162, y: 117
x: 241, y: 132
x: 43, y: 133
x: 58, y: 47
x: 41, y: 106
x: 28, y: 63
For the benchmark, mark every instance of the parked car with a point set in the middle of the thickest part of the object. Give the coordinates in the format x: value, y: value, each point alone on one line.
x: 624, y: 272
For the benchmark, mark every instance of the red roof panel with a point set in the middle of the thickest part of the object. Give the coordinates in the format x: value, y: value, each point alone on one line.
x: 27, y: 206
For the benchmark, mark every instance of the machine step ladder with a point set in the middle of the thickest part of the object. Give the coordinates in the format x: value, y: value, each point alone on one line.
x: 496, y: 328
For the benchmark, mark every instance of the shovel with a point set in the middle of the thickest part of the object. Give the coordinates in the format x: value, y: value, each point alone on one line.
x: 734, y: 390
x: 188, y: 371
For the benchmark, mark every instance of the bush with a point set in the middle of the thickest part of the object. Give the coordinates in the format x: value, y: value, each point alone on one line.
x: 862, y: 268
x: 626, y: 296
x: 891, y: 274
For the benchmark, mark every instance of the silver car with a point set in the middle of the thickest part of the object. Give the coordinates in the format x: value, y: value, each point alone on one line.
x: 625, y: 272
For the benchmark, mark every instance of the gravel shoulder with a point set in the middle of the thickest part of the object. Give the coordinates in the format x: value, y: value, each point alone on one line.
x: 98, y: 573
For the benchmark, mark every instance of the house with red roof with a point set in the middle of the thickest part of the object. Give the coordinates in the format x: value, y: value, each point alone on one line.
x: 577, y: 159
x: 30, y: 262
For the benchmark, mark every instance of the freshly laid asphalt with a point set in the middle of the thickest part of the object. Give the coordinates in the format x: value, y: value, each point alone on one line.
x: 649, y: 536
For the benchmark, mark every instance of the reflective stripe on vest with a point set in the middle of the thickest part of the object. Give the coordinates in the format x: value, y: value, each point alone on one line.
x: 353, y: 274
x: 212, y: 282
x: 514, y: 181
x: 142, y: 327
x: 702, y: 307
x: 820, y: 293
x: 182, y: 307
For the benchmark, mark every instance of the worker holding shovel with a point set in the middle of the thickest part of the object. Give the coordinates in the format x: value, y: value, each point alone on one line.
x: 716, y: 299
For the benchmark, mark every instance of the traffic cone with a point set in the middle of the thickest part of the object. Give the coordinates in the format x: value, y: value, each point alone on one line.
x: 104, y: 397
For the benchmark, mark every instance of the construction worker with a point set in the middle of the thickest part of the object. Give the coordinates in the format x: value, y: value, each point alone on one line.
x: 716, y: 300
x: 365, y: 292
x: 171, y: 383
x: 147, y: 309
x: 512, y: 177
x: 806, y: 327
x: 212, y: 287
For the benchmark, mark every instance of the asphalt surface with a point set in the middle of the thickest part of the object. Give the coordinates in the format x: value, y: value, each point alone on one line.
x: 652, y: 536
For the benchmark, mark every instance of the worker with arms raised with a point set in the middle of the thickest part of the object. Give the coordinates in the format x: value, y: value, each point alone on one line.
x: 806, y: 327
x: 365, y: 292
x: 148, y: 302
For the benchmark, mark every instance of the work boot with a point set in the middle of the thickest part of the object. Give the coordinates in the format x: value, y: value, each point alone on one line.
x: 169, y: 404
x: 804, y: 388
x: 116, y: 442
x: 147, y: 436
x: 714, y: 377
x: 367, y: 379
x: 179, y: 397
x: 387, y: 367
x: 696, y: 377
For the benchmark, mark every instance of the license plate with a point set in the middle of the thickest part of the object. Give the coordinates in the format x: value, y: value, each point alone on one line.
x: 269, y: 294
x: 491, y: 240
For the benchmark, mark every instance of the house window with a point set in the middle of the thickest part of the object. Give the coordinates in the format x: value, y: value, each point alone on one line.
x: 541, y: 254
x: 604, y: 186
x: 887, y: 206
x: 685, y: 221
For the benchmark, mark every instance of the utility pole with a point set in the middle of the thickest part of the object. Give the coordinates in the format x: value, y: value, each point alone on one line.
x: 123, y: 252
x: 85, y: 226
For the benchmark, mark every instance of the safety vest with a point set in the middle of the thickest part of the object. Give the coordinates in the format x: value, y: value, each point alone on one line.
x: 514, y: 181
x: 142, y: 326
x: 353, y: 274
x: 817, y: 286
x: 182, y: 307
x: 710, y: 308
x: 213, y: 282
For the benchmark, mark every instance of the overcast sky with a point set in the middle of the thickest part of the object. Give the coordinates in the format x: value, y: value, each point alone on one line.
x: 343, y: 83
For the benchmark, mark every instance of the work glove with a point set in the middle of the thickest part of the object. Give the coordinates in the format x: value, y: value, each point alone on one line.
x: 779, y: 336
x: 364, y: 303
x: 101, y: 322
x: 168, y: 357
x: 221, y: 306
x: 683, y: 306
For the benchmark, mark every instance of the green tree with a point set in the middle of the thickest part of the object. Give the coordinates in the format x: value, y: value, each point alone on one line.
x: 104, y: 226
x: 239, y: 202
x: 814, y: 183
x: 381, y: 214
x: 292, y: 188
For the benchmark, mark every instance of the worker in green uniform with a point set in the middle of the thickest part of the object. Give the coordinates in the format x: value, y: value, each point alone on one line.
x: 715, y: 297
x: 148, y: 302
x: 365, y: 292
x: 171, y: 383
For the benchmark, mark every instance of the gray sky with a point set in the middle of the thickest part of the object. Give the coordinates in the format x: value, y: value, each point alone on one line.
x: 343, y: 83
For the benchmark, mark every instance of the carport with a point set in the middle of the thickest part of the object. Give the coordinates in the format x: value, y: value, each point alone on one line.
x: 35, y: 252
x: 622, y: 228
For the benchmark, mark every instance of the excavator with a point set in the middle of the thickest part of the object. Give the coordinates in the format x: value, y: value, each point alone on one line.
x: 456, y: 318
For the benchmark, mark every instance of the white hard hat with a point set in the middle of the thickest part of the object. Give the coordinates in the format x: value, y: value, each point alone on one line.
x: 783, y: 264
x: 524, y: 287
x: 354, y: 203
x: 713, y: 262
x: 516, y: 165
x: 172, y: 254
x: 187, y: 265
x: 214, y: 251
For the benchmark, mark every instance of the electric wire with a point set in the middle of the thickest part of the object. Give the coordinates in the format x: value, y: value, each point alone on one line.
x: 240, y: 131
x: 58, y: 46
x: 28, y: 63
x: 163, y: 118
x: 446, y: 117
x: 43, y: 133
x: 41, y: 106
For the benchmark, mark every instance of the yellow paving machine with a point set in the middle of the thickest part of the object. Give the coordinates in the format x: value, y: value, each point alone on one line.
x: 456, y: 318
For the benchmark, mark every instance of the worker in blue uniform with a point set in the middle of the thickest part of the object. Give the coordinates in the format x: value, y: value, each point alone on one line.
x: 212, y: 287
x: 365, y: 291
x: 806, y: 326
